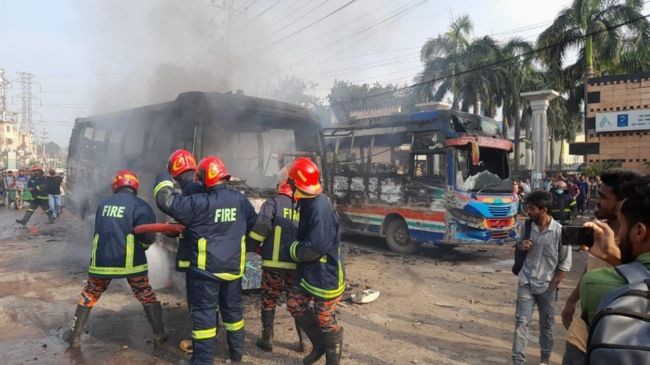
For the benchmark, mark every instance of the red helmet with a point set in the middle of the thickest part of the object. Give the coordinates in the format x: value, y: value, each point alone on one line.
x: 37, y: 168
x: 285, y: 188
x: 211, y: 170
x: 126, y: 178
x: 180, y: 161
x: 305, y: 176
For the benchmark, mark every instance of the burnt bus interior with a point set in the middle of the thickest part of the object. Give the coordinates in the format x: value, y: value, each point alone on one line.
x: 255, y: 138
x: 403, y: 159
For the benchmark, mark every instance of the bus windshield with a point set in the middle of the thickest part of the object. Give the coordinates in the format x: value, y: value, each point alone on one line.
x: 490, y: 175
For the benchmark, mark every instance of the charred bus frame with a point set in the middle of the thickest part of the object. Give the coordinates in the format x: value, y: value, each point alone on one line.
x: 255, y: 137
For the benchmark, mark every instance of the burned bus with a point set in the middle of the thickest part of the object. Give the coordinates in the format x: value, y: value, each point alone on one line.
x: 428, y: 177
x: 255, y: 137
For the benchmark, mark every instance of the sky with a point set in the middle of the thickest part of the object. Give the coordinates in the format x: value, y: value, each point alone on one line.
x: 95, y: 56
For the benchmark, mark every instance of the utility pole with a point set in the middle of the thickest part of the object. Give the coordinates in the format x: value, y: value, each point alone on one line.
x: 229, y: 7
x: 26, y: 123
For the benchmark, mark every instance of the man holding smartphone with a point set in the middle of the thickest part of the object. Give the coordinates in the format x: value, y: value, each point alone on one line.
x: 546, y: 264
x: 609, y: 198
x: 633, y: 245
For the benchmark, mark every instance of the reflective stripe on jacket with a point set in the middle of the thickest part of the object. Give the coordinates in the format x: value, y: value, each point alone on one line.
x: 188, y: 187
x: 116, y: 251
x: 317, y: 250
x: 275, y: 229
x: 37, y: 185
x: 216, y: 223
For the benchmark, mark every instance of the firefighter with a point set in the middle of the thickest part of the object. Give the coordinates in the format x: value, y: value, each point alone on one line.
x: 37, y: 186
x: 181, y: 165
x: 118, y: 253
x: 216, y: 222
x: 320, y: 272
x: 563, y: 203
x: 274, y: 230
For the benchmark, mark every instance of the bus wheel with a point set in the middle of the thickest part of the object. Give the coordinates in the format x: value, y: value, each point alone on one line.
x: 398, y: 237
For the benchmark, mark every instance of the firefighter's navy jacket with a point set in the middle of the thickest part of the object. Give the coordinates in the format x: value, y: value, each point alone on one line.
x: 188, y: 187
x: 216, y: 223
x: 562, y: 206
x: 317, y: 250
x: 117, y: 252
x: 275, y: 229
x: 37, y: 186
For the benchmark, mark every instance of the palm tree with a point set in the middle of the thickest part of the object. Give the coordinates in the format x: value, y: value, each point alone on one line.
x: 589, y: 26
x: 563, y: 124
x: 483, y: 88
x: 441, y: 56
x: 518, y: 76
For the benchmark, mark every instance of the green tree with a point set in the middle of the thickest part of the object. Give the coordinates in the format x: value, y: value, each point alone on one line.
x: 346, y: 97
x: 442, y: 55
x: 294, y: 90
x: 518, y: 76
x: 588, y: 26
x: 563, y: 125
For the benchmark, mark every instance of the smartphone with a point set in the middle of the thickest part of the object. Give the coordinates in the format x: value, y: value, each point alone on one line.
x: 577, y: 236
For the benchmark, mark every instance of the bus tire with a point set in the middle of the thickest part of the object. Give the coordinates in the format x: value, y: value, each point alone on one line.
x: 398, y: 237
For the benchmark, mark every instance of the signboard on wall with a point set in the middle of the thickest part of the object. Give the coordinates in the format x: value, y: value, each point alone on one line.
x: 623, y: 121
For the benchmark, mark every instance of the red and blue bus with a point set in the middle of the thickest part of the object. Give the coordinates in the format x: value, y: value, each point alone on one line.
x: 428, y: 177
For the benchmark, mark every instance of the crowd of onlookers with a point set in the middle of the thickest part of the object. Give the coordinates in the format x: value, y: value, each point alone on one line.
x: 606, y: 314
x: 572, y: 195
x: 14, y: 191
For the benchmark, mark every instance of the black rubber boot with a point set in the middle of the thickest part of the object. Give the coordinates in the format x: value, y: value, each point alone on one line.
x: 301, y: 338
x: 309, y: 324
x: 154, y: 316
x: 50, y: 218
x: 333, y: 342
x: 73, y: 335
x: 25, y: 218
x: 235, y: 341
x: 266, y: 341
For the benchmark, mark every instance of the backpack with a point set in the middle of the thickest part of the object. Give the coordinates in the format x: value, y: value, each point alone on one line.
x: 620, y: 330
x: 520, y: 256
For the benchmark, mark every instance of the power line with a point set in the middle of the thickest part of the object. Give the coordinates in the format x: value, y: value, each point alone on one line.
x: 389, y: 18
x: 80, y: 76
x: 338, y: 28
x: 510, y: 32
x: 496, y: 63
x: 266, y: 10
x: 294, y: 11
x: 250, y: 4
x: 311, y: 24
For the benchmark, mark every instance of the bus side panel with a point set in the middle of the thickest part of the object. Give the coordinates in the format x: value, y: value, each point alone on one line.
x: 423, y: 225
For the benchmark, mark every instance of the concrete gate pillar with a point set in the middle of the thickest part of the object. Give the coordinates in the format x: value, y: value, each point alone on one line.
x: 539, y: 101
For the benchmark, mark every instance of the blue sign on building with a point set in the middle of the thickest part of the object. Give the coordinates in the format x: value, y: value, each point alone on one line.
x: 621, y: 120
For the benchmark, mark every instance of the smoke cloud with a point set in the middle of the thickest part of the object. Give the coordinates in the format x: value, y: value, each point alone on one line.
x: 160, y: 48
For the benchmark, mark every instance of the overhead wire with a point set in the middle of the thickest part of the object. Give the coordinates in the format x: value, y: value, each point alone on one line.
x: 302, y: 29
x: 508, y: 60
x: 299, y: 17
x: 259, y: 15
x: 400, y: 11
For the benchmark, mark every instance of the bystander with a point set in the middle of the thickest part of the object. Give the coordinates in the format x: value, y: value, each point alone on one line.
x: 546, y: 264
x: 609, y: 198
x: 53, y: 187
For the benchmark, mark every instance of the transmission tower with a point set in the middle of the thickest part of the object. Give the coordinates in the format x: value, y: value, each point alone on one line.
x: 26, y: 123
x: 3, y: 94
